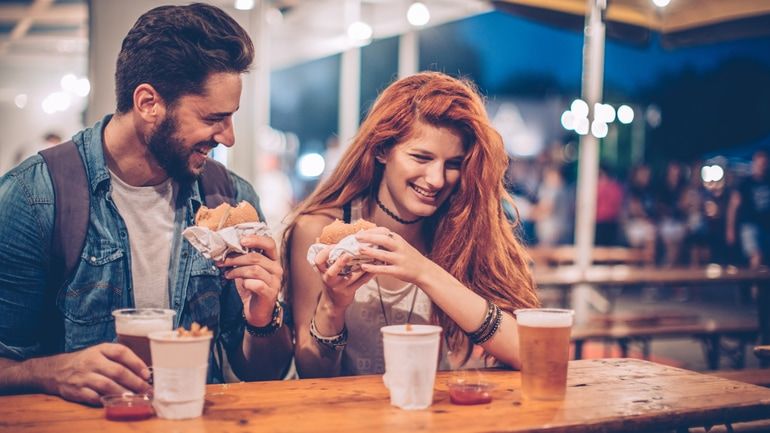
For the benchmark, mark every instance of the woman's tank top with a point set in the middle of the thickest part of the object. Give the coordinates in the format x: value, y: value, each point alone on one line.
x: 364, y: 318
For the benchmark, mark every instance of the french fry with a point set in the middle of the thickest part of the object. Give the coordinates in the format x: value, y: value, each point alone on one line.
x: 196, y: 330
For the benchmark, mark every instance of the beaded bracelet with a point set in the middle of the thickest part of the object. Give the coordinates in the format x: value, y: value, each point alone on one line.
x: 336, y: 342
x: 490, y: 325
x: 276, y: 322
x: 498, y: 320
x: 488, y: 319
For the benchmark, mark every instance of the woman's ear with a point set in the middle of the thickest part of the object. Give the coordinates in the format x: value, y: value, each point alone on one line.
x: 380, y: 155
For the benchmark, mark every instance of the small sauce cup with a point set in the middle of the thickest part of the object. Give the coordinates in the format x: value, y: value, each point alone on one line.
x: 469, y: 388
x: 127, y: 407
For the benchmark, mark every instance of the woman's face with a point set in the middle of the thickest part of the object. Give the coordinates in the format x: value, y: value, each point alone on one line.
x: 421, y: 172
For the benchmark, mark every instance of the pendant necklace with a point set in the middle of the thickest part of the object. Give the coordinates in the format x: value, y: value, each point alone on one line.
x: 382, y: 304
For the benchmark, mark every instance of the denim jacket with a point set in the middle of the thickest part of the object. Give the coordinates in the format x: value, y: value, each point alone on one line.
x: 102, y: 281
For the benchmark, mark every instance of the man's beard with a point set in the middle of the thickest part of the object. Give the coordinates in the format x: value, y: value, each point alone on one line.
x: 170, y: 152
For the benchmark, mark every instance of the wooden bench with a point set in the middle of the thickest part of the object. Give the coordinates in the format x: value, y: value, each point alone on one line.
x: 565, y: 255
x: 755, y: 376
x: 709, y: 332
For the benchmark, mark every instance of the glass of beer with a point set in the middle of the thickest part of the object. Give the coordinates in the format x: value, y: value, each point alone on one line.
x: 132, y: 325
x: 544, y: 351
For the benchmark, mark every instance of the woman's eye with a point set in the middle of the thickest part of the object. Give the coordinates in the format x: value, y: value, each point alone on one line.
x: 454, y: 165
x: 420, y: 157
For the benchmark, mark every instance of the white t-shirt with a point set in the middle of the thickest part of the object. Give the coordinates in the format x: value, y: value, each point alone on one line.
x: 148, y: 212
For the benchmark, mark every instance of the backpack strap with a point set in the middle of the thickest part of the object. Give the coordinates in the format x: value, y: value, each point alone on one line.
x: 71, y: 212
x: 215, y: 184
x: 71, y: 207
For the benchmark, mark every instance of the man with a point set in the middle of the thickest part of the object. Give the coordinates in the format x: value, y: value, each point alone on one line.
x: 748, y: 212
x: 178, y: 83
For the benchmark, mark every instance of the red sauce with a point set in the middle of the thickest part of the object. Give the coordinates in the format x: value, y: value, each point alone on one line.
x: 129, y: 413
x: 469, y: 394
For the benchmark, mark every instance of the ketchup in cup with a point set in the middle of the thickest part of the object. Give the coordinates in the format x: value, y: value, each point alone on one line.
x: 468, y: 388
x: 469, y: 393
x: 127, y: 407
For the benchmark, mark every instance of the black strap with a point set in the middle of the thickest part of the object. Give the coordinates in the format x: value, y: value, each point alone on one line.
x: 346, y: 213
x: 72, y: 208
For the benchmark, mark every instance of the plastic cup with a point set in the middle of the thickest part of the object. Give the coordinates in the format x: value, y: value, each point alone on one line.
x: 127, y: 407
x: 468, y: 387
x: 544, y: 340
x: 411, y: 359
x: 179, y: 371
x: 133, y: 324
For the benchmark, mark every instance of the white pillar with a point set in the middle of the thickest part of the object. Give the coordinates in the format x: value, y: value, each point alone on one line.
x: 254, y: 115
x: 350, y: 95
x: 588, y: 165
x: 408, y: 54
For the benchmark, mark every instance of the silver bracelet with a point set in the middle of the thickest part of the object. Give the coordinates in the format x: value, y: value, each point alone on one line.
x: 336, y: 342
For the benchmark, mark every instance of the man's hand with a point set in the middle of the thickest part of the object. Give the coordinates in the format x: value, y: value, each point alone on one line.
x: 257, y: 277
x: 87, y: 375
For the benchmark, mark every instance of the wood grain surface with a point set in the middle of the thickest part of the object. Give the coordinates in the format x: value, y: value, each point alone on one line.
x: 603, y: 395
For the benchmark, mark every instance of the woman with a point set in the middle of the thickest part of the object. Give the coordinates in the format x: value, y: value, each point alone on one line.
x: 427, y: 168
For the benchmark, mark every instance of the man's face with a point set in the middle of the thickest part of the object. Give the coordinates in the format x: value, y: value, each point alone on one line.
x: 194, y: 125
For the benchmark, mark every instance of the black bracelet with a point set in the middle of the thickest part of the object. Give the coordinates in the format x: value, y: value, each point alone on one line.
x: 336, y: 342
x: 490, y: 325
x: 488, y: 320
x: 498, y: 320
x: 271, y: 328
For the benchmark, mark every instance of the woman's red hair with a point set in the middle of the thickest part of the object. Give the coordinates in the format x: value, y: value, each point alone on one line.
x: 469, y: 235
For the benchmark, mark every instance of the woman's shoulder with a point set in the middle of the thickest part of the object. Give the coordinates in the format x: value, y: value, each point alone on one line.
x: 313, y: 223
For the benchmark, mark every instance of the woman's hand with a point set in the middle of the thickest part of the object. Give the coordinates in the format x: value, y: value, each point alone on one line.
x: 397, y: 257
x: 339, y: 288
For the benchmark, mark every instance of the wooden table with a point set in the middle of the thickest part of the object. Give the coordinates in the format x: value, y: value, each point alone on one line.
x: 603, y: 395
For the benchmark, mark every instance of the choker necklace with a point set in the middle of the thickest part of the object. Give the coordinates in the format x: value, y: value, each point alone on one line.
x: 382, y: 304
x: 390, y: 213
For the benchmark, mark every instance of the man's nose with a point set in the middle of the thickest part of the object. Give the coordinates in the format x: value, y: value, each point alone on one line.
x: 226, y: 135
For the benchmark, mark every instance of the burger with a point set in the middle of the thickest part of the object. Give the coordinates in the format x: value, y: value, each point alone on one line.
x: 225, y: 215
x: 338, y: 230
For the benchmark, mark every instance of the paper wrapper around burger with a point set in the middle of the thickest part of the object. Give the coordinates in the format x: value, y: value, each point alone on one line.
x: 218, y: 231
x: 348, y: 244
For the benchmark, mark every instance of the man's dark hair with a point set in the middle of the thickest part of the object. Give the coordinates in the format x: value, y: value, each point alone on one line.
x: 176, y: 48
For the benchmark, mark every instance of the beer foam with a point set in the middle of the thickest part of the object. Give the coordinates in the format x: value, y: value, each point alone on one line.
x: 141, y: 328
x: 545, y: 318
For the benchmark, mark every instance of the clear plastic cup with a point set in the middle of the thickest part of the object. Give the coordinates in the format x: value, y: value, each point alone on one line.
x: 544, y: 341
x: 127, y: 407
x: 469, y: 387
x: 411, y: 359
x: 133, y: 324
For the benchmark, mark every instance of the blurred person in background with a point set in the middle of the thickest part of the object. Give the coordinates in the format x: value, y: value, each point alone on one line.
x: 637, y: 218
x: 49, y: 139
x: 748, y: 214
x: 609, y: 202
x: 672, y: 229
x: 551, y: 213
x: 715, y: 204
